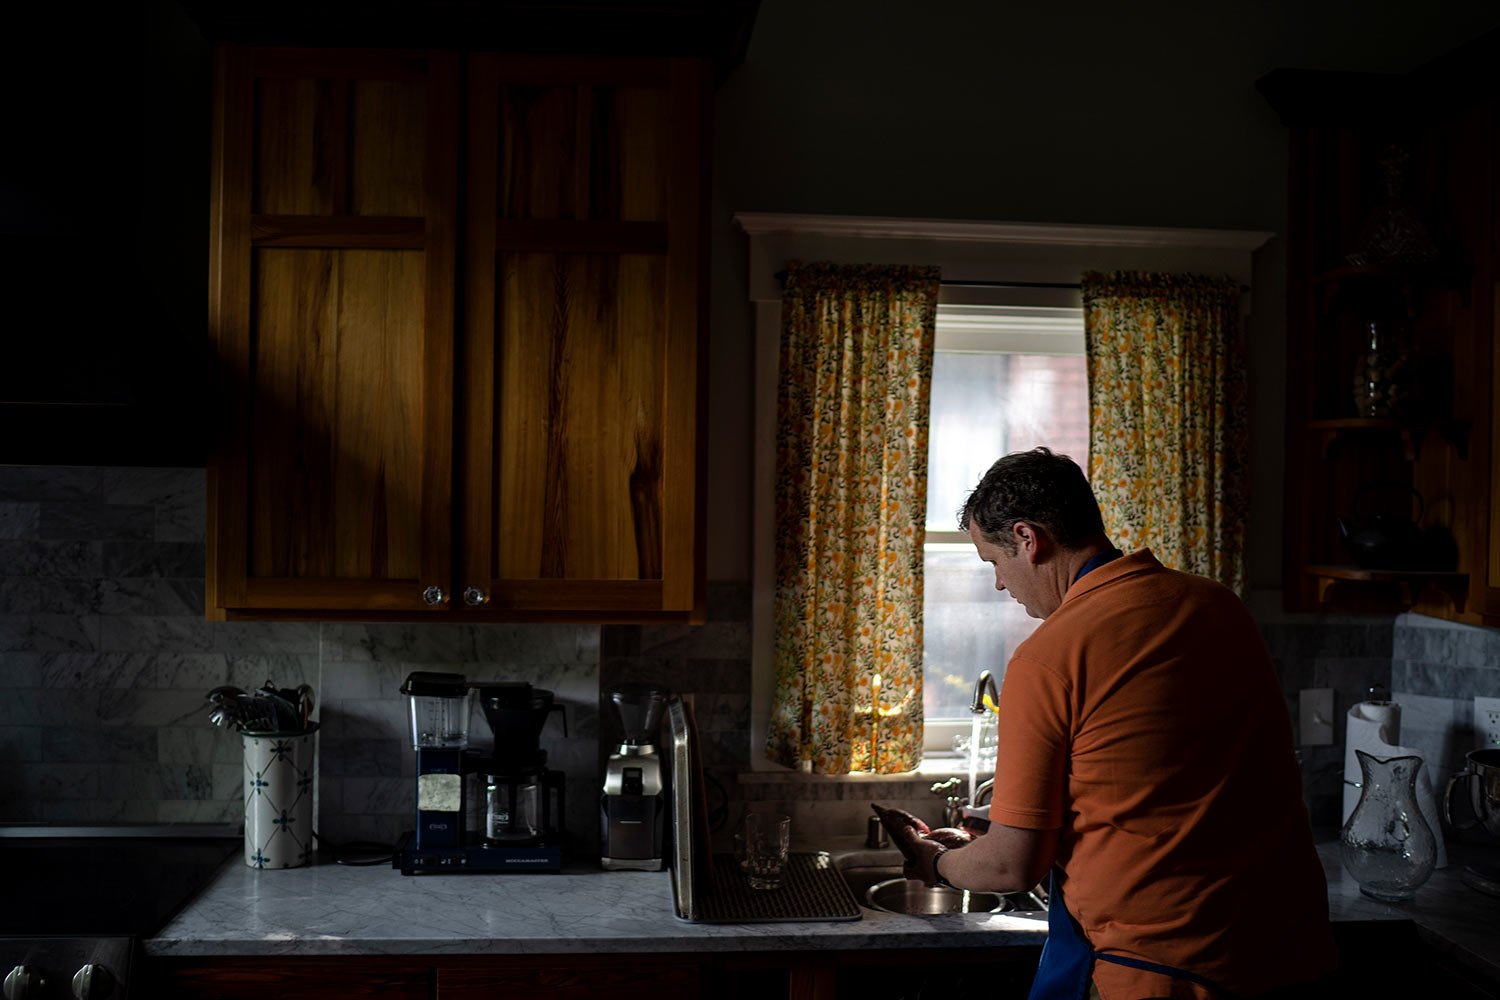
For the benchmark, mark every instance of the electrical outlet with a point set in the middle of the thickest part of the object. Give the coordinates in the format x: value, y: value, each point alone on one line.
x: 1487, y: 721
x: 1315, y: 716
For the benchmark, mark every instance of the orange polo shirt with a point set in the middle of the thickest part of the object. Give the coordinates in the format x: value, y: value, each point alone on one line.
x: 1144, y: 720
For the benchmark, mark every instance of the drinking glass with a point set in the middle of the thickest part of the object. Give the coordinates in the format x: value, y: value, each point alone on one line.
x: 767, y: 837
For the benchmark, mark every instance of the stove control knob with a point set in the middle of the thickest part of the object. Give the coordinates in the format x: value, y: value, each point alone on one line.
x: 25, y: 983
x: 93, y: 982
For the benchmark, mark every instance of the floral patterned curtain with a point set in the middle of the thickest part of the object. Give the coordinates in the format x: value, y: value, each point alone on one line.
x: 1168, y: 429
x: 851, y: 501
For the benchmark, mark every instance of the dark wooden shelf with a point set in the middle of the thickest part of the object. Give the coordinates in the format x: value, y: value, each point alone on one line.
x: 1330, y: 430
x: 1354, y: 424
x: 1410, y: 582
x: 1413, y: 280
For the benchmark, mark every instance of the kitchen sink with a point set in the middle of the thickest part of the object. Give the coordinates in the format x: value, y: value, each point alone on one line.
x: 877, y: 883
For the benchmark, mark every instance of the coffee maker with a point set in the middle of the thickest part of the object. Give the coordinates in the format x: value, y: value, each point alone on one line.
x: 523, y: 797
x: 522, y: 827
x: 633, y: 807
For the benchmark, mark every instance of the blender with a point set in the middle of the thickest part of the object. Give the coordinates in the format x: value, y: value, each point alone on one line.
x: 633, y: 806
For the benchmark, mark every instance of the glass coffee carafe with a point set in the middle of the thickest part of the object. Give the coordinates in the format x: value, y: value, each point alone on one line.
x: 523, y: 798
x: 513, y: 813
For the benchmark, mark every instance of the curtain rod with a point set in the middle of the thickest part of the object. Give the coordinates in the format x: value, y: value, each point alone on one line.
x: 781, y: 279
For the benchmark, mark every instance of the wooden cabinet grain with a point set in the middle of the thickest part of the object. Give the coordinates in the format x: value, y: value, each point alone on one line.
x: 457, y: 302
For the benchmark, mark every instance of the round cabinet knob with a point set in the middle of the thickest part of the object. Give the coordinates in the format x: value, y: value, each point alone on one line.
x: 25, y: 983
x: 93, y: 982
x: 434, y: 596
x: 474, y: 597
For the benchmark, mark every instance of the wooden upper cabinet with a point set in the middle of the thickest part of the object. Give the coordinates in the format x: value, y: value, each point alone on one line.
x: 549, y: 367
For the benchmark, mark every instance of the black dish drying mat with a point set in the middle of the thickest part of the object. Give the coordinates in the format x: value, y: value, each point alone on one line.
x: 811, y: 889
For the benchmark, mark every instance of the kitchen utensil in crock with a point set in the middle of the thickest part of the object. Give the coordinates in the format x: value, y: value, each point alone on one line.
x: 224, y: 693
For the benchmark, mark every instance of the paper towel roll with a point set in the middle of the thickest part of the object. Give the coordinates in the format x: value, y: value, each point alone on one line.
x: 1375, y: 728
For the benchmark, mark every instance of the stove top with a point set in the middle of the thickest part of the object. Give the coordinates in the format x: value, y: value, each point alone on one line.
x: 79, y: 899
x: 106, y: 880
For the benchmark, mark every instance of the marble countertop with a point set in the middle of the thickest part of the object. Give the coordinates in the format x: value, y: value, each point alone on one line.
x: 1449, y: 915
x: 329, y: 909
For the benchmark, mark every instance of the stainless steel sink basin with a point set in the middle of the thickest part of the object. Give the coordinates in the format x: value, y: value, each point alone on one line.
x: 903, y: 895
x: 882, y: 887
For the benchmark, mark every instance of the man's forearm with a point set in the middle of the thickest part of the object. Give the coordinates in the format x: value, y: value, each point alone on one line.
x: 1003, y: 859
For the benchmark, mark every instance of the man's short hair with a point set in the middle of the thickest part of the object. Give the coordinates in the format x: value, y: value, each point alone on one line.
x: 1041, y: 488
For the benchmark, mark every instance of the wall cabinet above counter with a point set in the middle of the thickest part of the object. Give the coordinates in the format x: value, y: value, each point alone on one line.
x: 1392, y: 498
x: 457, y: 307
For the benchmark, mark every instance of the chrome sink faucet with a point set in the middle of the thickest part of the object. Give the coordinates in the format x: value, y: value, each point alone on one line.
x: 985, y: 684
x: 953, y: 805
x: 954, y: 801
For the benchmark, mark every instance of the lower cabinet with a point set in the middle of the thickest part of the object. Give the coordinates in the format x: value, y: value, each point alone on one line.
x: 566, y: 977
x: 1377, y: 959
x: 822, y: 975
x: 287, y: 978
x: 598, y: 977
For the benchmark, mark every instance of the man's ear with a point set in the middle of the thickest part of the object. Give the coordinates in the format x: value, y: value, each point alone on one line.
x: 1028, y: 540
x: 1035, y: 543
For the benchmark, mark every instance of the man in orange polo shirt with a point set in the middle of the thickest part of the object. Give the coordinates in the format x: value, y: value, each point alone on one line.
x: 1146, y: 761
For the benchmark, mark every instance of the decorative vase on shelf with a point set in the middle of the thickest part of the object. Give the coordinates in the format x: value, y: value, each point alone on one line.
x: 1386, y: 844
x: 1394, y: 234
x: 1380, y: 374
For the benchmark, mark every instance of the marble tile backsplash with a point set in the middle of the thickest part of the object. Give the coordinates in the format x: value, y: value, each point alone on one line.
x: 105, y: 658
x: 1432, y: 668
x: 1438, y: 668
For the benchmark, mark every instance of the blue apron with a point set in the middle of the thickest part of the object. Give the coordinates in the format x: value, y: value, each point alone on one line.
x: 1067, y: 963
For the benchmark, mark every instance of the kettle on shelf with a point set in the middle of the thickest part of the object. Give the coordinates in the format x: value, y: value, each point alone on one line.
x: 1384, y: 539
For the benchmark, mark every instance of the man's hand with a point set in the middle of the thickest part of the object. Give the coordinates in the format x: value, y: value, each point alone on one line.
x: 919, y: 844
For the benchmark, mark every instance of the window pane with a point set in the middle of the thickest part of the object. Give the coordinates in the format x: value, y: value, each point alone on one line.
x: 987, y: 405
x: 984, y: 406
x: 967, y: 627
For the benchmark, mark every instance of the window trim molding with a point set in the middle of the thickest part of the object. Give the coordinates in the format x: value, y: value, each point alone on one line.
x: 1016, y: 233
x: 963, y: 251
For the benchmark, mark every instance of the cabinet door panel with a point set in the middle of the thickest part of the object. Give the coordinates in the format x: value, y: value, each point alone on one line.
x: 338, y: 145
x: 332, y: 317
x: 583, y: 152
x: 335, y: 427
x: 581, y: 343
x: 582, y: 335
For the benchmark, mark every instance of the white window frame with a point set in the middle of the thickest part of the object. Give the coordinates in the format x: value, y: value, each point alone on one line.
x: 1033, y: 258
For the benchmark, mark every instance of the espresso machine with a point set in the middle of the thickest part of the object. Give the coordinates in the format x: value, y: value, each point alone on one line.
x: 522, y: 799
x: 633, y: 808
